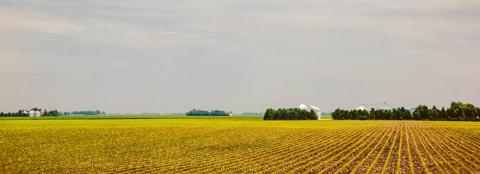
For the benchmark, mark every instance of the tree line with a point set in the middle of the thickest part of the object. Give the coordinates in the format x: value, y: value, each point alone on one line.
x: 44, y: 112
x: 13, y: 114
x: 290, y: 114
x: 25, y: 113
x: 457, y: 111
x: 97, y: 112
x: 196, y: 112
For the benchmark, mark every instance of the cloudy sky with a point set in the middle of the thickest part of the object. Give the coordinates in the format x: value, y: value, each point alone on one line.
x: 241, y: 55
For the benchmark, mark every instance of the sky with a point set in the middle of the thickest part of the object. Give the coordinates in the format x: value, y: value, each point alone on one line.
x: 168, y: 56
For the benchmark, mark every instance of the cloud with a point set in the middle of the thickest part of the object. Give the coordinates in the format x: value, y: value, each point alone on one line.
x: 87, y: 30
x: 21, y: 19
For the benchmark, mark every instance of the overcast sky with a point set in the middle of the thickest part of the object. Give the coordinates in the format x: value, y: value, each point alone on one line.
x: 241, y: 55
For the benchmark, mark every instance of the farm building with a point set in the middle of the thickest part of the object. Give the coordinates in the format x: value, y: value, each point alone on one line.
x: 34, y: 113
x: 314, y: 108
x: 361, y: 107
x: 379, y: 106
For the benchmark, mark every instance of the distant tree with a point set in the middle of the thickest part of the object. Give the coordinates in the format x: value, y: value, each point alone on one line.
x: 53, y: 113
x: 363, y: 115
x: 269, y: 114
x: 312, y: 115
x: 372, y: 114
x: 379, y: 114
x: 470, y: 112
x: 443, y: 114
x: 336, y: 114
x: 196, y: 112
x: 289, y: 114
x: 281, y: 114
x: 421, y: 112
x: 451, y: 114
x: 434, y: 113
x: 396, y: 114
x: 464, y: 111
x: 388, y: 115
x: 404, y: 113
x: 478, y: 114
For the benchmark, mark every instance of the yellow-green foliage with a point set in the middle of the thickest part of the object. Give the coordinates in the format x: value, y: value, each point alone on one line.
x: 237, y: 145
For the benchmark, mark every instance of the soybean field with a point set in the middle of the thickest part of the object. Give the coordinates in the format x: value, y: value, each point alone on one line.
x: 238, y: 145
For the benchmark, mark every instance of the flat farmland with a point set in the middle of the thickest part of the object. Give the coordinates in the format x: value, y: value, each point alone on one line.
x: 238, y: 145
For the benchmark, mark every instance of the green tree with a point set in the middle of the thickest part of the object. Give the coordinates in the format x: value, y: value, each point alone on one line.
x: 451, y: 114
x: 421, y: 112
x: 372, y: 115
x: 397, y: 114
x: 434, y: 113
x: 269, y: 114
x: 443, y: 114
x: 312, y: 115
x: 336, y: 115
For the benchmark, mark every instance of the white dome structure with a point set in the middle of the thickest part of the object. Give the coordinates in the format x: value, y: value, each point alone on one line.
x: 303, y: 106
x: 376, y: 106
x: 314, y: 108
x: 361, y: 107
x: 33, y: 113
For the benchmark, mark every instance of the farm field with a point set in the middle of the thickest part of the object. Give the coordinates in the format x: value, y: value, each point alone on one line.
x: 238, y: 145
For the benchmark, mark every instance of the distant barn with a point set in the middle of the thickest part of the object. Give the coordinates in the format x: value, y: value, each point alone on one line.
x: 376, y: 106
x: 33, y: 113
x: 314, y: 108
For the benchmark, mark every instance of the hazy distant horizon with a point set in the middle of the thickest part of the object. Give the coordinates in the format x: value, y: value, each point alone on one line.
x: 149, y: 56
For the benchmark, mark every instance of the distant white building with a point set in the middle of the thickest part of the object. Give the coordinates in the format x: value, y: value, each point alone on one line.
x: 33, y: 113
x: 361, y: 107
x: 368, y: 107
x: 314, y: 108
x: 303, y: 106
